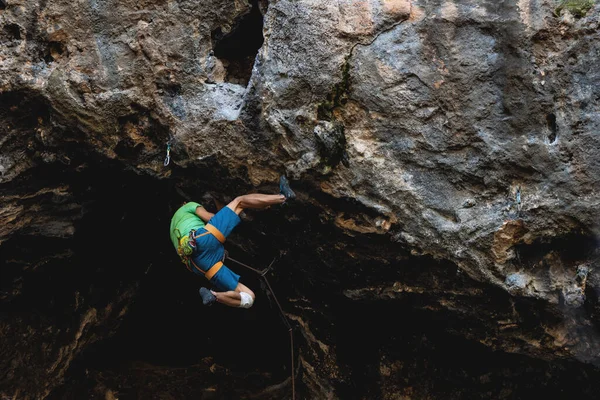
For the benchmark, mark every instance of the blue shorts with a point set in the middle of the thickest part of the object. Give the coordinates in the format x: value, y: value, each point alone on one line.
x: 210, y: 251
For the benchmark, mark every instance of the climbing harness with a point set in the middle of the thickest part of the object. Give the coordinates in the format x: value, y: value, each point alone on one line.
x: 214, y: 231
x: 187, y: 246
x: 168, y: 158
x: 263, y: 274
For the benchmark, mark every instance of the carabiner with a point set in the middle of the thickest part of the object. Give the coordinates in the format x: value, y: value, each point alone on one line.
x: 168, y: 158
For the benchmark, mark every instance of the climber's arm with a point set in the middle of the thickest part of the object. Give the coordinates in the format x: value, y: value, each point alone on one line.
x: 203, y: 214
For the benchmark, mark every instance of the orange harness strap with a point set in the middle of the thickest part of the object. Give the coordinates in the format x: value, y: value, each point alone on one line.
x: 211, y: 271
x: 215, y: 232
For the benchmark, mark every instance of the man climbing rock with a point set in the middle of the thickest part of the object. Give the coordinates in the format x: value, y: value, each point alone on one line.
x: 198, y: 237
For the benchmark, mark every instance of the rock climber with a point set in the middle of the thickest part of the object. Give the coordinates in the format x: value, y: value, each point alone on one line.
x: 198, y: 236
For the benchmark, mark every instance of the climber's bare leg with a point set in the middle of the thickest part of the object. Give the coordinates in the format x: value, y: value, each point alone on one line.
x: 255, y: 200
x: 232, y: 298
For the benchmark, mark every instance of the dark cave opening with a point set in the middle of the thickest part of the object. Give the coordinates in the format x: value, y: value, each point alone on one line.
x: 238, y: 48
x: 167, y: 341
x: 167, y: 334
x: 121, y: 244
x: 167, y: 324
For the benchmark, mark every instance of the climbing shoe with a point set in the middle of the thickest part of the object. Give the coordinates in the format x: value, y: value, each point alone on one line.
x: 284, y: 188
x: 207, y: 297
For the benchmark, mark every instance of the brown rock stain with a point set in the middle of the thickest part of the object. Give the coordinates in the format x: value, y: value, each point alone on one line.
x: 356, y: 18
x: 397, y: 8
x: 510, y: 234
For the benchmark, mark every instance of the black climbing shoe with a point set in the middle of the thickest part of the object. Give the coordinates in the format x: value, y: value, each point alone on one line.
x: 284, y: 188
x: 207, y: 297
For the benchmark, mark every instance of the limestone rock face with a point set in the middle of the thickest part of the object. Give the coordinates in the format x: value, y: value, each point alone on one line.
x: 445, y: 155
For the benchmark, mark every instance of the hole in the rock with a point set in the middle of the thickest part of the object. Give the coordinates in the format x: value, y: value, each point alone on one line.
x: 3, y: 4
x: 172, y: 89
x: 237, y: 49
x: 12, y: 32
x: 572, y: 248
x: 553, y: 127
x: 53, y: 51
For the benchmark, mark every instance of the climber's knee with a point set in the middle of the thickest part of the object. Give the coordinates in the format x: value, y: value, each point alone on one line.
x: 246, y: 300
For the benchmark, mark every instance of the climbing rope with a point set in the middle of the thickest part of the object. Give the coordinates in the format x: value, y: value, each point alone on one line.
x: 183, y: 250
x: 263, y: 274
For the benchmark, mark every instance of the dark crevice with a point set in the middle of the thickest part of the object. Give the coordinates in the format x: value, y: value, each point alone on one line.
x: 338, y: 95
x: 238, y: 48
x: 553, y: 127
x: 3, y: 4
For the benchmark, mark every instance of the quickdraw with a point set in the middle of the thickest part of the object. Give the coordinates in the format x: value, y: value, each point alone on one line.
x: 168, y: 158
